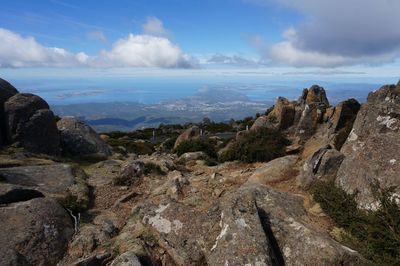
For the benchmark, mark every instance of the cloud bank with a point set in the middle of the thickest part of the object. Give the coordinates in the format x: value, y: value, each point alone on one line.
x: 136, y: 50
x: 338, y: 32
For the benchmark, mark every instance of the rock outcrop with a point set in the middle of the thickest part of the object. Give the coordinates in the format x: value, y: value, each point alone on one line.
x: 190, y: 133
x: 323, y: 164
x: 372, y: 148
x: 6, y: 91
x: 34, y: 232
x: 30, y: 124
x: 78, y: 138
x: 59, y: 181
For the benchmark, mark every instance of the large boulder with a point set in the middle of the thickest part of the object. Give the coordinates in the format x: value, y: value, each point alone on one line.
x: 34, y: 232
x: 60, y: 181
x: 372, y: 148
x: 6, y: 92
x: 283, y: 113
x: 323, y: 164
x: 315, y: 94
x: 30, y: 124
x: 344, y: 114
x: 277, y: 170
x: 78, y: 138
x: 188, y: 134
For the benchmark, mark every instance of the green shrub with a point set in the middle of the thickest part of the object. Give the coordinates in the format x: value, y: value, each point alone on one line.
x: 217, y: 127
x: 260, y: 145
x: 168, y: 145
x: 131, y: 146
x: 375, y: 234
x: 197, y: 144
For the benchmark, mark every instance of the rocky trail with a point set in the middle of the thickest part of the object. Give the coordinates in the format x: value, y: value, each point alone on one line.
x: 161, y: 209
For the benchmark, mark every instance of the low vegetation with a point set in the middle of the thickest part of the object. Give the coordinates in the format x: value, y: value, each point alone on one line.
x: 375, y: 234
x: 260, y: 145
x: 152, y: 168
x: 198, y: 144
x: 132, y: 146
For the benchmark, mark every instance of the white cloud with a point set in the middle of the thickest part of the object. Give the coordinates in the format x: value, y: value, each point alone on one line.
x: 144, y: 51
x: 97, y: 36
x: 155, y: 27
x: 17, y: 51
x: 339, y: 32
x: 133, y: 51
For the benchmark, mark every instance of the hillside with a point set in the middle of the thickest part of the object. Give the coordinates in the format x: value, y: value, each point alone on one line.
x: 302, y: 183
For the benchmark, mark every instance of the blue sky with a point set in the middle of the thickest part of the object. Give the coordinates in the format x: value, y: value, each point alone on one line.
x: 200, y: 37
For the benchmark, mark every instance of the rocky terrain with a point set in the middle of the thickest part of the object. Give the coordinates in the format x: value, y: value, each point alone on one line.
x: 69, y: 196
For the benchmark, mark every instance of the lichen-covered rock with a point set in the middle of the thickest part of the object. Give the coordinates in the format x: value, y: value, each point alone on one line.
x: 277, y: 170
x: 372, y: 148
x: 130, y: 174
x: 78, y: 138
x: 188, y: 134
x: 30, y: 124
x: 315, y: 94
x: 37, y: 231
x: 60, y: 181
x: 344, y: 114
x: 323, y: 164
x: 126, y: 259
x: 192, y: 156
x: 283, y: 114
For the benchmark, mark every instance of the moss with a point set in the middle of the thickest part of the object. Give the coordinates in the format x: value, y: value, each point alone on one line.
x: 193, y: 145
x: 375, y: 234
x: 260, y: 145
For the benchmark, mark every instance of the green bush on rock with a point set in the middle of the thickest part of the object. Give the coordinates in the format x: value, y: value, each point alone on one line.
x: 198, y: 144
x: 260, y: 145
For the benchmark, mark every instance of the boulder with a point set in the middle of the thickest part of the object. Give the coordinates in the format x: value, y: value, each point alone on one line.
x: 6, y: 91
x: 283, y: 114
x: 30, y: 124
x: 130, y: 174
x: 277, y: 170
x: 128, y: 258
x: 192, y: 156
x: 36, y: 231
x: 260, y: 122
x: 372, y: 148
x: 188, y: 134
x: 60, y: 181
x: 310, y: 117
x: 323, y: 164
x: 344, y: 114
x: 78, y: 138
x: 315, y: 94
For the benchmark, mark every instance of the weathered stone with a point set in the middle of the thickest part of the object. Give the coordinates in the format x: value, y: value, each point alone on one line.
x: 260, y: 122
x: 372, y: 148
x: 192, y: 156
x: 188, y: 134
x: 294, y: 240
x: 38, y: 230
x: 277, y: 170
x: 128, y: 258
x: 13, y: 193
x: 316, y: 94
x: 130, y: 174
x: 31, y: 124
x: 78, y: 138
x: 60, y: 181
x: 323, y: 164
x: 283, y: 114
x: 344, y: 114
x: 6, y: 91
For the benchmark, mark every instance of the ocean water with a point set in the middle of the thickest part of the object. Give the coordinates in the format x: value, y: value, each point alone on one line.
x: 62, y: 91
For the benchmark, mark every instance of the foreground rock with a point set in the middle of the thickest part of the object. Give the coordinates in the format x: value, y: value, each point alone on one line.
x: 60, y: 181
x: 277, y: 170
x: 78, y: 138
x: 372, y: 148
x: 30, y: 124
x: 34, y: 232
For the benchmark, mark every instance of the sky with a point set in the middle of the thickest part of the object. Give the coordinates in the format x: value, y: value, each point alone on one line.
x: 355, y: 40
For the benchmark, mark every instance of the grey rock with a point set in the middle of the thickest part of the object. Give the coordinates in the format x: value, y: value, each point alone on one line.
x: 78, y: 138
x: 60, y: 181
x: 38, y: 230
x: 30, y: 124
x: 323, y: 164
x: 372, y: 148
x: 6, y: 91
x: 128, y: 258
x: 130, y: 174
